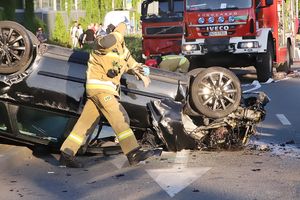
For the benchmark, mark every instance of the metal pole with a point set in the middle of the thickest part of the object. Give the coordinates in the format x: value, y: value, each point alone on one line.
x: 76, y: 3
x: 54, y: 5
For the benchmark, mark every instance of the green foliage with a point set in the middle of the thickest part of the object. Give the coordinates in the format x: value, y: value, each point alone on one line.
x: 9, y: 9
x: 97, y: 9
x: 136, y: 4
x: 92, y: 8
x: 105, y: 7
x: 118, y: 4
x: 134, y: 44
x: 70, y: 6
x: 39, y: 23
x: 60, y: 35
x: 29, y: 16
x: 66, y: 5
x: 95, y: 12
x: 1, y: 14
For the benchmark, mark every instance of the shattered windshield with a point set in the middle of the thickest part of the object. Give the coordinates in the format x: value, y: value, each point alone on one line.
x: 208, y: 5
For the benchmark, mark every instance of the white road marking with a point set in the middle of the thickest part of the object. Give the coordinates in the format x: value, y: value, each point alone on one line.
x: 283, y: 119
x: 175, y: 179
x: 118, y: 160
x: 182, y: 157
x: 265, y: 134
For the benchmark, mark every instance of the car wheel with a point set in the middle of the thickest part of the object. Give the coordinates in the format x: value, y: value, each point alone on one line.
x: 195, y: 72
x: 264, y: 67
x: 15, y: 48
x: 216, y: 92
x: 34, y: 40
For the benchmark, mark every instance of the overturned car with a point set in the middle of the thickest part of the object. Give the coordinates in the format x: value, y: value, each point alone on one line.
x: 42, y: 93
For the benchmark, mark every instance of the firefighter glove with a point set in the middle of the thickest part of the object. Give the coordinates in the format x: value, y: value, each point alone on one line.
x: 146, y: 70
x: 146, y: 80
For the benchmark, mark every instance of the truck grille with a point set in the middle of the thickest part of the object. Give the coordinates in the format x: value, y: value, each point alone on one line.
x: 164, y: 30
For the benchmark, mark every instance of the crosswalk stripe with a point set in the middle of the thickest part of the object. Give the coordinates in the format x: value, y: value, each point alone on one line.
x: 283, y: 119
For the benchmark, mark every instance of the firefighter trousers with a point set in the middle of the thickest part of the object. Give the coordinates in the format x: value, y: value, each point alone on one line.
x: 116, y: 115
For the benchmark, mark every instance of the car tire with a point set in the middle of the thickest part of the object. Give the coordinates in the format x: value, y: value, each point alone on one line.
x: 264, y: 67
x: 216, y: 92
x: 195, y: 72
x: 34, y: 40
x: 15, y: 48
x: 286, y: 67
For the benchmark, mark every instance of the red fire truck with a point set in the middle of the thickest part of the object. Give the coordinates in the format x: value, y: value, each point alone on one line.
x: 162, y: 26
x: 242, y: 33
x: 235, y: 33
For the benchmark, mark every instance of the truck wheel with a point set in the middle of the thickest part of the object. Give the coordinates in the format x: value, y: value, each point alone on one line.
x: 216, y: 92
x: 15, y: 48
x: 286, y: 67
x: 264, y: 67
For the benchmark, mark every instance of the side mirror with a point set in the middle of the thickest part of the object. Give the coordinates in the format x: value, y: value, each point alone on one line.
x: 269, y: 2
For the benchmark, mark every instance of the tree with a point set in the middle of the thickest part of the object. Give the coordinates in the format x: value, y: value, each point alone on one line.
x: 29, y: 15
x: 9, y: 9
x: 60, y: 34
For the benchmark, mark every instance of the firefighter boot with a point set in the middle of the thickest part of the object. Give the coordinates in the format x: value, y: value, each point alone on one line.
x: 137, y: 155
x: 69, y: 161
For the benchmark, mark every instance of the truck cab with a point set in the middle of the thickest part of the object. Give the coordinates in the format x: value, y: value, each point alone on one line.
x: 162, y: 27
x: 233, y: 33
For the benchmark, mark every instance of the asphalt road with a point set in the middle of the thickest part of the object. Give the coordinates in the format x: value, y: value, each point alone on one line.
x: 269, y: 168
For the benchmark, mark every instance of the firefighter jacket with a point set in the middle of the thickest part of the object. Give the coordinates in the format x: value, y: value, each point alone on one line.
x: 108, y: 60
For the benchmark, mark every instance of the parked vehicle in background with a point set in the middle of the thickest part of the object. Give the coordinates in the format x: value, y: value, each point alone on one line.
x: 233, y: 33
x: 229, y: 33
x: 162, y: 27
x: 117, y: 16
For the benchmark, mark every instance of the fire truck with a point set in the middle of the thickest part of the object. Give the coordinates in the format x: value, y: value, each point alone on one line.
x: 162, y: 27
x: 238, y: 33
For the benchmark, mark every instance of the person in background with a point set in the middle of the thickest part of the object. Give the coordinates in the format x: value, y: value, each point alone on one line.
x: 41, y: 36
x: 73, y: 33
x: 89, y: 36
x: 108, y: 60
x: 100, y: 31
x: 94, y: 27
x: 174, y: 63
x: 80, y: 35
x: 110, y: 28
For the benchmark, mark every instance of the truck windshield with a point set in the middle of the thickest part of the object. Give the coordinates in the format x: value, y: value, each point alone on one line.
x: 163, y: 9
x: 208, y: 5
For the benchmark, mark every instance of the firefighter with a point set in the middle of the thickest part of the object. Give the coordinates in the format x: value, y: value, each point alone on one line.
x: 108, y: 60
x: 173, y: 63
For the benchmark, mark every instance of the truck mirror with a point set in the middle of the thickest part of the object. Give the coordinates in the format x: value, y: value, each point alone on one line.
x: 269, y: 2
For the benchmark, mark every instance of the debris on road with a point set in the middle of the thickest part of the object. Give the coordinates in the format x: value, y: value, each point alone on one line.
x: 284, y: 149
